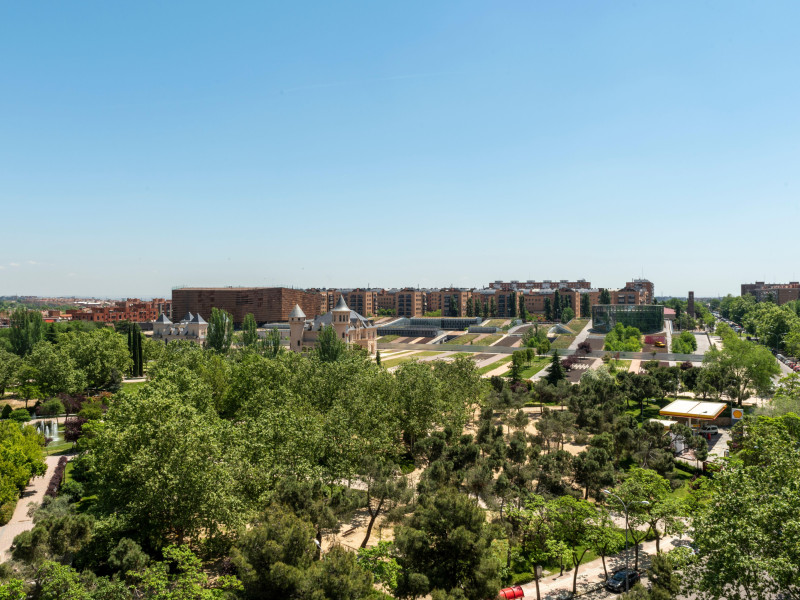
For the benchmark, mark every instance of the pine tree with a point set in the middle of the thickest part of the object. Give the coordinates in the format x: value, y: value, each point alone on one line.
x: 548, y: 313
x: 470, y: 307
x: 511, y: 305
x: 523, y: 311
x: 493, y: 308
x: 556, y: 373
x: 605, y: 297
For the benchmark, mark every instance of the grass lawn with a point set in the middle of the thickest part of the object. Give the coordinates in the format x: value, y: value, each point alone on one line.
x: 132, y: 386
x: 495, y: 323
x: 388, y: 338
x: 463, y: 339
x: 68, y: 471
x: 618, y: 365
x: 489, y: 339
x: 563, y: 341
x: 577, y: 325
x: 58, y: 448
x: 495, y: 365
x: 537, y: 365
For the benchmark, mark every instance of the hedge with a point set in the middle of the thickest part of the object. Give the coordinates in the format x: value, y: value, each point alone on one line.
x: 57, y: 478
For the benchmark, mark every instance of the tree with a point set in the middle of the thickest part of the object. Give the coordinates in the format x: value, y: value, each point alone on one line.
x: 20, y: 459
x: 745, y: 534
x: 134, y: 333
x: 493, y: 308
x: 556, y: 372
x: 745, y: 364
x: 445, y: 545
x: 148, y: 448
x: 523, y: 311
x: 220, y: 331
x: 594, y: 469
x: 385, y: 490
x: 511, y: 305
x: 272, y: 556
x: 272, y: 343
x: 605, y: 297
x: 9, y: 363
x: 27, y: 330
x: 649, y: 500
x: 604, y: 538
x: 586, y: 305
x: 556, y: 307
x: 485, y: 310
x: 101, y: 355
x: 249, y: 331
x: 567, y: 314
x: 572, y: 525
x: 470, y: 307
x: 548, y: 310
x: 786, y: 398
x: 329, y: 347
x: 54, y: 371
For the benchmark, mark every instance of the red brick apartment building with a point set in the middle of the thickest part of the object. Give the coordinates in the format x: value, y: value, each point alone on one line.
x: 781, y: 292
x: 268, y: 305
x: 132, y: 309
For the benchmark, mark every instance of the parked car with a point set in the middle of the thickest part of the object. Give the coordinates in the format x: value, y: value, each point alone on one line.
x: 617, y: 582
x: 706, y: 429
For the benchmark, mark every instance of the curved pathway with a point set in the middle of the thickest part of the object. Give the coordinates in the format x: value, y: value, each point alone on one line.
x: 20, y: 522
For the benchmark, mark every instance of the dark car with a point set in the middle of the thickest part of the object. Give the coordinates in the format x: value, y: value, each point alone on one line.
x: 616, y: 583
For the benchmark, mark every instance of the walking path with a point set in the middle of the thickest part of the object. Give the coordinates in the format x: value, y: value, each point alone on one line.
x: 591, y: 574
x: 581, y: 337
x: 20, y: 522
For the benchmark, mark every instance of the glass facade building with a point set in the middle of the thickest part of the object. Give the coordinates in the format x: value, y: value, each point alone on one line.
x: 647, y: 318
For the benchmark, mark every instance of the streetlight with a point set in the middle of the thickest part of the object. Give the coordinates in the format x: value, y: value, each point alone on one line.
x: 624, y: 506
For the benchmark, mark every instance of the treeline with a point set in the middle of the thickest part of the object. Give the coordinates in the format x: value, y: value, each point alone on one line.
x: 775, y: 326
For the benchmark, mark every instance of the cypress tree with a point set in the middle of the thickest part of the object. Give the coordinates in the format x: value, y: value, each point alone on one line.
x: 548, y: 313
x: 139, y: 352
x: 132, y: 351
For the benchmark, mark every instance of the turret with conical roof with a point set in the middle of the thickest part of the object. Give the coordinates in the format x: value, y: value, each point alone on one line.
x: 341, y: 318
x: 297, y: 324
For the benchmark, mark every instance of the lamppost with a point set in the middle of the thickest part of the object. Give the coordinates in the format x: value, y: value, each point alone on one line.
x: 625, y: 507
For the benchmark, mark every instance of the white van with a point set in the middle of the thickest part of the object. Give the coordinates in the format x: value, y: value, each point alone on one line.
x: 706, y: 429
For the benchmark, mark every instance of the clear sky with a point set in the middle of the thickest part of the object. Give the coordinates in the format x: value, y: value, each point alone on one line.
x: 145, y: 145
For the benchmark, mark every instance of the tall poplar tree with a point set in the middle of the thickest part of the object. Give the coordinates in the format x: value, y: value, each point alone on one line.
x: 27, y: 330
x: 249, y: 331
x: 220, y: 331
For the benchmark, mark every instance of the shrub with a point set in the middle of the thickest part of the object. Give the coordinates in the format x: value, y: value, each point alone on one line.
x: 7, y: 410
x: 20, y: 415
x: 73, y: 428
x: 51, y: 407
x: 6, y: 512
x: 72, y: 490
x: 57, y: 478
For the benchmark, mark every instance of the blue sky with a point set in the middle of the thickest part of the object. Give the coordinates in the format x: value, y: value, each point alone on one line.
x: 148, y: 145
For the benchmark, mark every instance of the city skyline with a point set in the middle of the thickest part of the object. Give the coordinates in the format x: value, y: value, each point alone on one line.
x: 426, y: 144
